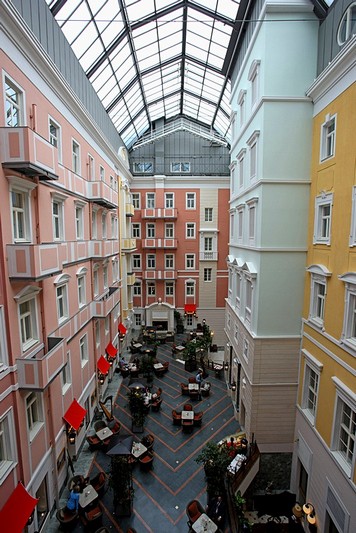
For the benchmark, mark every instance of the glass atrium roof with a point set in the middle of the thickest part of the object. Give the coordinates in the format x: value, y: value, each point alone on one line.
x: 149, y: 59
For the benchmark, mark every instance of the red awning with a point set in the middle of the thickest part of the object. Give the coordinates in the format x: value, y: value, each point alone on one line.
x: 121, y: 328
x: 17, y: 510
x: 103, y: 365
x: 190, y: 309
x: 75, y: 415
x: 111, y: 350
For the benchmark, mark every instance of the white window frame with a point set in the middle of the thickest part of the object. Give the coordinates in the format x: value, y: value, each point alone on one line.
x: 81, y: 285
x: 190, y: 261
x: 208, y: 277
x: 136, y: 262
x: 91, y: 168
x: 25, y: 188
x: 8, y: 447
x: 246, y: 347
x: 34, y: 413
x: 104, y: 226
x: 107, y: 324
x: 101, y: 173
x: 79, y: 220
x: 55, y: 137
x: 180, y: 166
x: 253, y: 154
x: 208, y: 214
x: 241, y: 101
x: 66, y: 375
x: 151, y: 261
x: 169, y: 261
x: 4, y: 356
x: 190, y: 288
x: 16, y: 108
x: 233, y: 177
x: 232, y: 225
x: 76, y: 167
x: 169, y: 230
x: 28, y: 320
x: 144, y: 167
x: 190, y: 230
x: 137, y: 288
x: 348, y: 336
x: 169, y: 289
x: 328, y: 138
x: 240, y: 222
x: 150, y: 200
x: 169, y: 200
x: 310, y: 392
x: 106, y: 277
x: 150, y: 230
x: 190, y: 200
x: 97, y: 333
x: 208, y: 244
x: 318, y: 280
x: 83, y: 350
x: 94, y: 224
x: 136, y: 230
x: 136, y: 200
x: 238, y: 290
x: 96, y: 280
x: 346, y: 29
x: 252, y: 219
x: 343, y: 397
x: 248, y: 300
x: 253, y: 78
x: 62, y: 300
x: 241, y: 167
x: 322, y: 219
x: 58, y: 219
x: 151, y: 288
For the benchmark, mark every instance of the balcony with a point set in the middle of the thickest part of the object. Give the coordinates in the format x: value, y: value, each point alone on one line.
x: 131, y: 278
x: 208, y: 256
x: 100, y: 193
x: 26, y: 152
x: 103, y: 249
x: 160, y: 243
x: 161, y: 212
x: 159, y: 274
x: 129, y: 210
x: 38, y: 372
x: 33, y: 261
x: 242, y: 479
x: 101, y: 308
x: 128, y: 245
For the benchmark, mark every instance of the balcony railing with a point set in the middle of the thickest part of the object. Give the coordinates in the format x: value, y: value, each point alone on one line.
x: 33, y: 261
x: 159, y: 274
x: 101, y: 308
x: 100, y: 193
x: 242, y: 479
x: 159, y: 243
x: 26, y: 152
x: 128, y: 245
x: 208, y: 256
x: 164, y: 212
x: 39, y: 371
x: 131, y: 278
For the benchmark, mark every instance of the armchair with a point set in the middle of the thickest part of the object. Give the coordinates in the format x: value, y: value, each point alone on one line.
x: 194, y: 509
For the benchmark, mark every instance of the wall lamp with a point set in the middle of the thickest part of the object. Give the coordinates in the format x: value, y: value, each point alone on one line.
x: 307, y: 511
x: 71, y: 433
x: 233, y: 386
x: 101, y: 378
x: 226, y: 365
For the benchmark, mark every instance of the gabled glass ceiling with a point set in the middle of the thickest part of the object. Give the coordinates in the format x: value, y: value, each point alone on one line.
x: 149, y: 59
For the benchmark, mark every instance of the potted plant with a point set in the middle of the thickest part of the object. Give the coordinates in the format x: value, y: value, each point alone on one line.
x: 190, y: 357
x: 179, y: 322
x: 120, y: 481
x: 215, y: 460
x: 136, y: 405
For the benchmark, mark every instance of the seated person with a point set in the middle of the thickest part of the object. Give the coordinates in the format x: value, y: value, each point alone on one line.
x: 199, y: 377
x: 232, y: 446
x: 216, y: 510
x: 73, y: 500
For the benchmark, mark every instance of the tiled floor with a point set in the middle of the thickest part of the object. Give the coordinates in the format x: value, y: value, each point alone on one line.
x: 161, y: 494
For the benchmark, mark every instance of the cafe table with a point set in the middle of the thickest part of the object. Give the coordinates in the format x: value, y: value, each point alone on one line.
x: 158, y: 366
x: 187, y: 415
x: 104, y: 433
x: 236, y: 463
x: 204, y: 524
x: 193, y: 386
x: 138, y: 449
x: 87, y: 497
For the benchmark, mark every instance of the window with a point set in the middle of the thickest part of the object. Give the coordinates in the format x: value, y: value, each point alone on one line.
x: 317, y: 293
x: 248, y: 301
x: 236, y: 333
x: 245, y: 349
x: 136, y: 230
x: 232, y: 178
x: 240, y: 166
x: 103, y: 226
x: 151, y: 288
x: 241, y: 100
x: 310, y: 391
x: 75, y: 157
x: 143, y: 168
x: 79, y: 220
x: 150, y: 230
x: 62, y: 302
x: 91, y: 168
x: 137, y: 289
x: 102, y: 173
x: 190, y: 288
x: 208, y: 244
x: 105, y: 277
x: 55, y: 137
x: 20, y: 215
x: 136, y: 262
x: 97, y: 333
x: 83, y: 349
x: 66, y: 375
x: 232, y: 226
x: 344, y: 430
x: 252, y: 207
x: 190, y: 200
x: 169, y: 261
x: 28, y: 321
x: 151, y: 261
x: 322, y: 219
x: 190, y: 261
x: 169, y: 230
x: 115, y: 269
x: 253, y: 77
x: 253, y: 145
x: 240, y: 219
x: 238, y: 290
x: 190, y: 230
x: 14, y: 104
x: 96, y: 280
x: 207, y: 274
x: 169, y: 200
x: 208, y: 214
x: 33, y: 413
x: 169, y: 288
x: 81, y: 290
x: 327, y: 144
x: 347, y: 25
x: 3, y: 347
x: 150, y: 200
x: 94, y: 224
x: 136, y: 200
x: 107, y: 325
x: 7, y: 446
x: 349, y: 325
x: 58, y: 218
x: 114, y: 227
x: 180, y: 166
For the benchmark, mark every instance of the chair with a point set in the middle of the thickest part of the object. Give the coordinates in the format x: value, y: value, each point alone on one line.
x: 156, y: 405
x: 93, y: 518
x: 192, y: 380
x: 99, y: 483
x: 188, y: 407
x: 159, y: 391
x: 194, y: 509
x: 100, y: 424
x: 165, y: 366
x: 177, y: 418
x: 146, y: 462
x: 184, y: 389
x: 94, y: 442
x: 198, y: 418
x: 148, y: 441
x: 67, y: 520
x: 187, y: 425
x: 194, y: 394
x: 115, y: 426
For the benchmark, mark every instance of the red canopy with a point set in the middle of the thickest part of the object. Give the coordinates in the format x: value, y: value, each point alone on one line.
x: 190, y: 309
x: 75, y: 415
x: 121, y: 328
x: 17, y: 510
x: 111, y: 350
x: 103, y: 365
